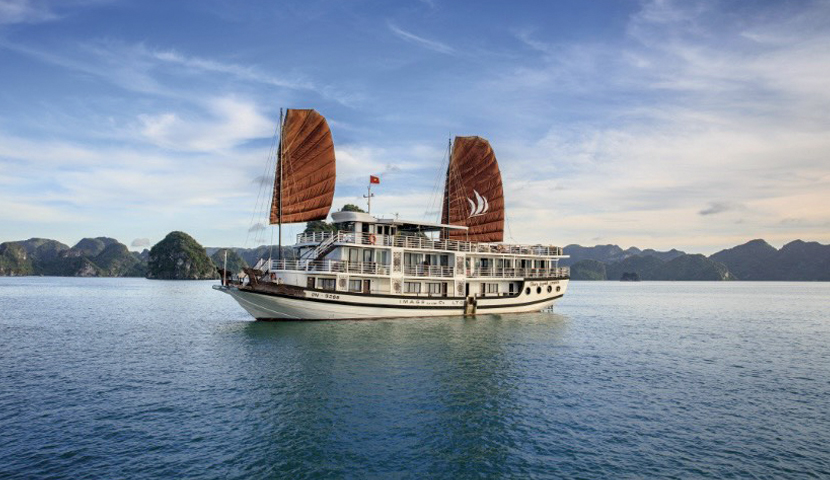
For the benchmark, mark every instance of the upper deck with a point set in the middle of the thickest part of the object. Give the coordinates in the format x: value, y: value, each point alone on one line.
x: 343, y: 237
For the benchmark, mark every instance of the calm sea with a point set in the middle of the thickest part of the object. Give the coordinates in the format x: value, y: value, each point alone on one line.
x: 130, y: 378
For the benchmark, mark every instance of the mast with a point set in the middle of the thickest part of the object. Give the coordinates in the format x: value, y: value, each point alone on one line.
x: 279, y: 224
x: 447, y: 185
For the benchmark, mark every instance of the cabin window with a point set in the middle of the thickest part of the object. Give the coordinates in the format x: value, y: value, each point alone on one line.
x: 527, y: 291
x: 382, y: 257
x: 445, y: 260
x: 538, y: 289
x: 354, y: 255
x: 412, y: 287
x: 511, y: 288
x: 326, y: 283
x: 492, y: 288
x: 434, y: 288
x: 550, y: 289
x: 367, y: 255
x: 354, y: 285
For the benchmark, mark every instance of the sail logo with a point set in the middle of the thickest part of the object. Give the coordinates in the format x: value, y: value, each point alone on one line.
x: 479, y: 206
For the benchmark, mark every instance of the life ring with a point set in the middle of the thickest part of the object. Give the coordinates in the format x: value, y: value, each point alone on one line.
x: 372, y: 239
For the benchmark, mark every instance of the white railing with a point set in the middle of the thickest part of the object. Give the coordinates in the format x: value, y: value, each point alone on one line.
x: 331, y: 266
x: 325, y: 243
x: 369, y: 268
x: 422, y: 243
x: 493, y: 272
x: 428, y: 271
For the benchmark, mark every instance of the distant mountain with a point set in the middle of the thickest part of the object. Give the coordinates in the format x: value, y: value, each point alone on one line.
x: 253, y: 255
x: 648, y: 268
x: 117, y: 261
x: 43, y: 249
x: 89, y: 247
x: 588, y: 270
x: 235, y: 262
x: 758, y: 260
x: 754, y: 260
x: 91, y: 257
x: 694, y: 267
x: 180, y: 257
x: 612, y: 253
x: 665, y: 256
x: 15, y: 261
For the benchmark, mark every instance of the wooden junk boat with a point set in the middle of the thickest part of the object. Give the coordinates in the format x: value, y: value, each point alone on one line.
x: 381, y: 267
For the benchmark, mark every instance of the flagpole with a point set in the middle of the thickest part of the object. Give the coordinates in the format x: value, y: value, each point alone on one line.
x: 368, y: 196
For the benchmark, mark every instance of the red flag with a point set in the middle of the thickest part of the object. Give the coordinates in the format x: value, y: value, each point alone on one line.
x: 374, y: 179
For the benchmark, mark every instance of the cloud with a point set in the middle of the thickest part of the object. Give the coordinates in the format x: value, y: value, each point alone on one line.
x: 24, y: 11
x: 263, y: 180
x: 241, y: 72
x: 142, y: 69
x: 718, y: 207
x: 230, y: 121
x: 140, y: 242
x: 420, y: 41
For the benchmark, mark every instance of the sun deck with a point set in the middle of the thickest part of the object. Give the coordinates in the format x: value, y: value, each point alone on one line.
x: 424, y: 243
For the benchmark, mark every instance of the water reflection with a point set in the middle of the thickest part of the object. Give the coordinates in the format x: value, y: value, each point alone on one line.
x: 382, y: 393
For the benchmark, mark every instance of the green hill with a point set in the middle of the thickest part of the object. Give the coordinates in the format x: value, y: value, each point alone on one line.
x: 117, y: 261
x: 180, y: 257
x: 758, y: 260
x: 235, y: 262
x: 14, y: 260
x: 588, y: 270
x: 694, y: 267
x: 647, y: 268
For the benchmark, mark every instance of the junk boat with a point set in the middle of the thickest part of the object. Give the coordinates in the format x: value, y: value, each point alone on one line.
x: 380, y: 267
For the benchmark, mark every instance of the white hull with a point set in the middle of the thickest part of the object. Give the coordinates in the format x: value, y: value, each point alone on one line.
x: 318, y: 304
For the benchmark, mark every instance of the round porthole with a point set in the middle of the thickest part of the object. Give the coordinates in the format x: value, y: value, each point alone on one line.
x: 550, y: 289
x: 558, y: 288
x: 527, y: 291
x: 538, y: 289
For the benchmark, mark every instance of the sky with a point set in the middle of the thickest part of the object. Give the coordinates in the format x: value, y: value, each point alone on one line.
x: 694, y: 124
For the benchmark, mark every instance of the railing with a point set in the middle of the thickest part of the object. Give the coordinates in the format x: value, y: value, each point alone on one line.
x: 370, y: 268
x: 493, y: 272
x: 427, y: 244
x: 331, y: 266
x: 322, y: 248
x: 428, y: 271
x: 374, y: 268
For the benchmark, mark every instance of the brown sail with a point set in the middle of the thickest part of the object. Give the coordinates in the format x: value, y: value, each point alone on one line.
x: 473, y: 194
x: 305, y: 177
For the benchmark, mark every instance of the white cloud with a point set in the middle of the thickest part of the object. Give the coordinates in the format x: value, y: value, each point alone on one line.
x: 242, y: 72
x: 421, y: 41
x: 231, y: 121
x: 24, y: 11
x: 140, y: 242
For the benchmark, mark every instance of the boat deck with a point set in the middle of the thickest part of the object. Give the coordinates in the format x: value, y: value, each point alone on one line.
x: 424, y: 243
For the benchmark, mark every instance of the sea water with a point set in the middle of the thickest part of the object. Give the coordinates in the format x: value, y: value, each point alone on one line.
x: 132, y: 378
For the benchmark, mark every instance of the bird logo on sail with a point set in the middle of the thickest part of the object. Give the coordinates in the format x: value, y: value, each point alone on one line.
x: 479, y: 206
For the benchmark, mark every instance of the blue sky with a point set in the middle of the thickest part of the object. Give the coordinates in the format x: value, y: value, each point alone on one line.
x: 655, y: 123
